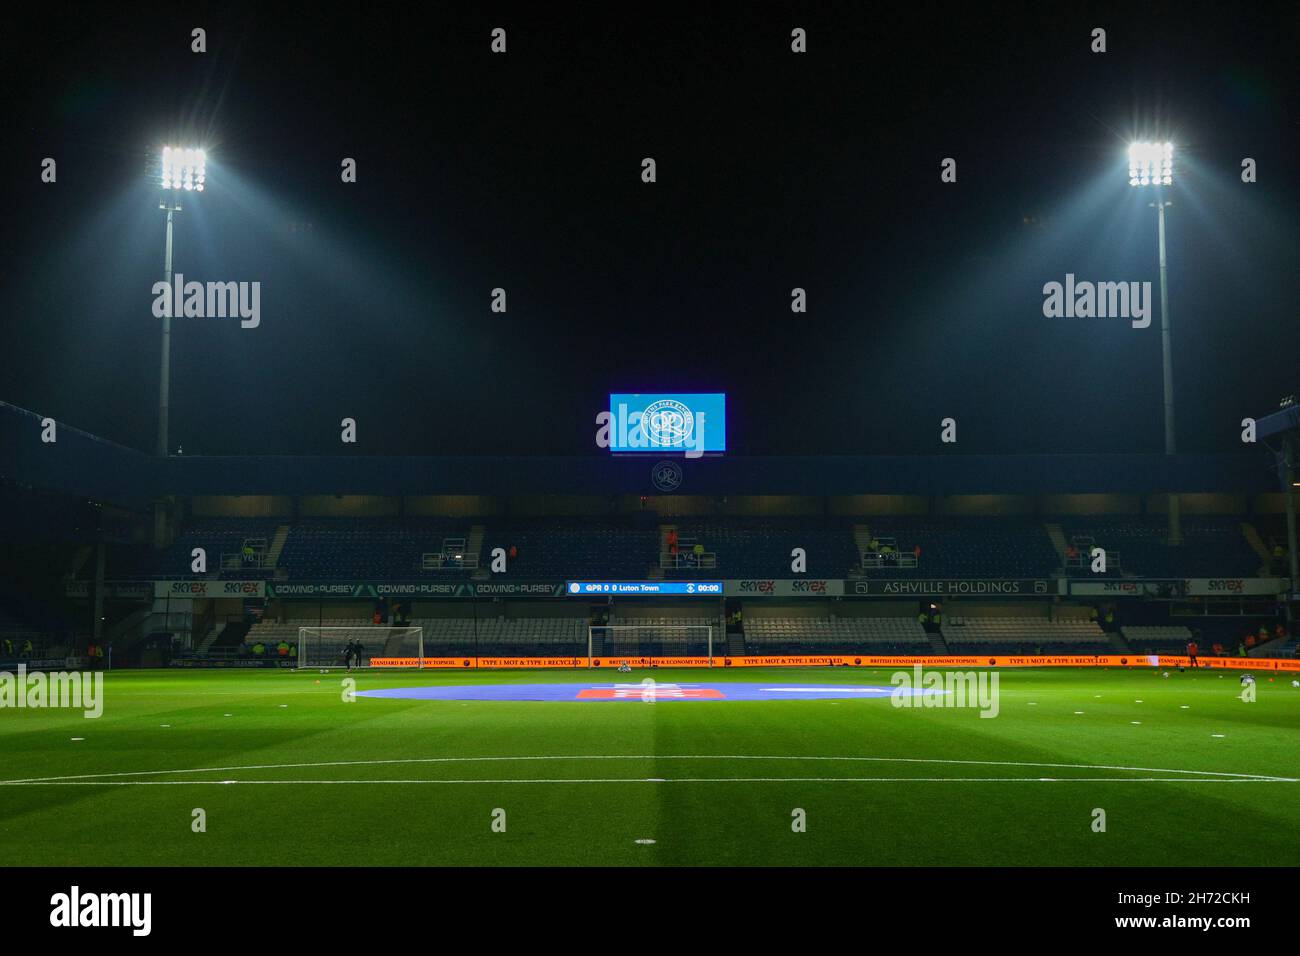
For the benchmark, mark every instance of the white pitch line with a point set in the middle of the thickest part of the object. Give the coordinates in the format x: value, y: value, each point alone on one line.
x: 431, y: 760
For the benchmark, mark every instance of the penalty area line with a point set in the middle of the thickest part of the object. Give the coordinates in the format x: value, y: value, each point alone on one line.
x: 394, y: 761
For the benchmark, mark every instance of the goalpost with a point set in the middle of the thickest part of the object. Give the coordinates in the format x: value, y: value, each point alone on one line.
x: 324, y: 646
x: 647, y: 642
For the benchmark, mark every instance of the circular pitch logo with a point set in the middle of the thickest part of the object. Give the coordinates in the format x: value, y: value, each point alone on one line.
x: 667, y: 423
x: 666, y: 475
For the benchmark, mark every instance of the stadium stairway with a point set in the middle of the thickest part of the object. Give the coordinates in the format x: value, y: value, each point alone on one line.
x: 132, y: 630
x: 474, y: 543
x: 664, y: 530
x: 232, y: 635
x: 1257, y: 543
x: 132, y: 626
x: 1057, y: 535
x: 205, y: 643
x: 79, y: 559
x: 1119, y: 644
x: 277, y: 545
x: 1277, y: 647
x: 937, y: 643
x: 656, y: 571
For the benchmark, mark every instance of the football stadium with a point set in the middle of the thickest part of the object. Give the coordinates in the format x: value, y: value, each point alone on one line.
x: 586, y: 441
x: 641, y: 658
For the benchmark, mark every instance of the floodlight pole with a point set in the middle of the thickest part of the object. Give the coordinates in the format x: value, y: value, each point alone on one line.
x: 172, y: 204
x: 164, y: 376
x: 181, y: 169
x: 1175, y: 522
x: 1291, y: 451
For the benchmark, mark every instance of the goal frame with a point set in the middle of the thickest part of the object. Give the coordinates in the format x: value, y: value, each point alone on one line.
x: 593, y: 628
x: 360, y: 631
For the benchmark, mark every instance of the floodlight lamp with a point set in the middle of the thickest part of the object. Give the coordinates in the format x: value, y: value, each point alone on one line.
x: 1151, y: 164
x: 182, y: 168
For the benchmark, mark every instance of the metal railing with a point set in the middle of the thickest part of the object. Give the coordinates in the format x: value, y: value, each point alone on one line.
x: 1082, y: 559
x: 889, y: 559
x: 440, y: 561
x: 688, y: 560
x: 240, y: 560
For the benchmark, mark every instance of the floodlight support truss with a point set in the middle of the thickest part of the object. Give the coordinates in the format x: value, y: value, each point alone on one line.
x: 164, y: 375
x: 1167, y: 363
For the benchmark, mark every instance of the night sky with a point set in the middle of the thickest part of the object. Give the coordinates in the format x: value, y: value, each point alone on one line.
x: 775, y: 170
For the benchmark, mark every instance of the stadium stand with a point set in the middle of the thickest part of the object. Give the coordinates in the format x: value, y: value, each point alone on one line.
x: 24, y: 621
x: 573, y: 547
x: 15, y: 634
x: 1026, y: 635
x: 223, y: 539
x: 1167, y: 639
x: 330, y: 644
x: 1287, y: 648
x: 364, y: 548
x: 877, y: 635
x: 659, y: 635
x: 127, y: 562
x: 1229, y: 634
x: 733, y: 547
x: 760, y: 547
x: 633, y: 546
x: 976, y: 547
x: 443, y: 636
x: 541, y: 636
x: 1136, y: 545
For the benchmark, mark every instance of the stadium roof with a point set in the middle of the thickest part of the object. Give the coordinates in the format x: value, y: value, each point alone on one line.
x: 1283, y: 420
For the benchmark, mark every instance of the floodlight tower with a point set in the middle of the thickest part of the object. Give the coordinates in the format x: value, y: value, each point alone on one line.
x: 181, y: 171
x: 1152, y: 164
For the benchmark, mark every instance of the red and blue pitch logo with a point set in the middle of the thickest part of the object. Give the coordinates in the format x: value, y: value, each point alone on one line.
x: 647, y: 691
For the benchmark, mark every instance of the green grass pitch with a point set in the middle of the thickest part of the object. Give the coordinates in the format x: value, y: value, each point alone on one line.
x: 288, y: 773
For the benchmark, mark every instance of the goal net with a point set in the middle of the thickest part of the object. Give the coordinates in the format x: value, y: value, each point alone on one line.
x: 646, y: 644
x: 326, y: 646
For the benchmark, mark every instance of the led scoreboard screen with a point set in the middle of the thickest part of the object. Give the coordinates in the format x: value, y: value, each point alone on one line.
x: 659, y: 588
x: 688, y: 422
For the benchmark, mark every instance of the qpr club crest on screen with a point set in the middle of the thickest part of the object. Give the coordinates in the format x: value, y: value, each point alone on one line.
x: 667, y: 423
x: 689, y: 422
